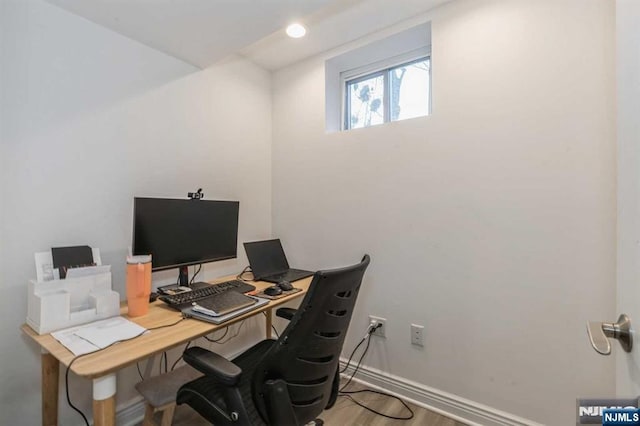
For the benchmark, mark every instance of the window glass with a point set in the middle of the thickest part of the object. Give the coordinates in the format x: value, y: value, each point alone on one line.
x: 409, y: 90
x: 365, y: 102
x: 391, y: 94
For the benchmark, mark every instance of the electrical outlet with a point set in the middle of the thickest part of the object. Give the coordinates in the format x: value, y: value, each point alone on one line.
x: 416, y: 335
x: 380, y: 331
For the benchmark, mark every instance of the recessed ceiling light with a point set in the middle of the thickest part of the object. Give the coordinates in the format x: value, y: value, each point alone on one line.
x: 296, y: 31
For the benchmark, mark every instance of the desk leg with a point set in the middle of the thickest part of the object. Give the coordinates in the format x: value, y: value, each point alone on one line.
x: 269, y: 322
x: 104, y: 400
x: 50, y: 369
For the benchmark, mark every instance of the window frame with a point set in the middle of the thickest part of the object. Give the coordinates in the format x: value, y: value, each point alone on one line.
x: 376, y: 69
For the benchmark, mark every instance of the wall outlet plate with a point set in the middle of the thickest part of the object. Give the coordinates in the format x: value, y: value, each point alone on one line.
x: 380, y: 331
x: 417, y: 335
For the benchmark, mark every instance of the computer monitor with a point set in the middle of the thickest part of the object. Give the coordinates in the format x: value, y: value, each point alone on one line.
x: 179, y: 233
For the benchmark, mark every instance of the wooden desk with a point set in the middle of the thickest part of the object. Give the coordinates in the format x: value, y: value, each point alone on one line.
x: 102, y: 366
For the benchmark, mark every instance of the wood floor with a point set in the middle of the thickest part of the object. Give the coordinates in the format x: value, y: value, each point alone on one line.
x: 346, y: 412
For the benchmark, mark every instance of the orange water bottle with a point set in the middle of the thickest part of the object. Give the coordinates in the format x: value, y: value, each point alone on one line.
x: 138, y: 284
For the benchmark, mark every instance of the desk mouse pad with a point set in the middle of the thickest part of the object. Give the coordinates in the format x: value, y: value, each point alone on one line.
x: 283, y: 294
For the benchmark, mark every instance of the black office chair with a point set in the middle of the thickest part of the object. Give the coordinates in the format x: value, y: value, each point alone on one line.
x: 288, y: 381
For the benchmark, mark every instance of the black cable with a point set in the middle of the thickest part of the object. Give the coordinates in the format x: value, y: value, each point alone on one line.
x: 158, y: 327
x: 369, y: 331
x: 180, y: 357
x: 66, y: 381
x: 66, y: 373
x: 409, y: 417
x: 219, y: 341
x: 347, y: 394
x: 272, y: 326
x: 366, y: 348
x: 139, y: 373
x: 352, y: 353
x: 226, y: 330
x: 244, y: 271
x: 196, y: 273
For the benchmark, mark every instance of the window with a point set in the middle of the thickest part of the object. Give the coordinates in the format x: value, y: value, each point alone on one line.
x: 392, y: 94
x: 387, y: 79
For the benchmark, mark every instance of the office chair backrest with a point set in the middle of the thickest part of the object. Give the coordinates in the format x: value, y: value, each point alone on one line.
x: 306, y: 354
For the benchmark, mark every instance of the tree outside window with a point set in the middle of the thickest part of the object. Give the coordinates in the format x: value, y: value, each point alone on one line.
x: 393, y: 94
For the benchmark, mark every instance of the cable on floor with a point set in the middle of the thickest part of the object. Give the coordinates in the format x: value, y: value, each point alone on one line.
x: 347, y: 394
x: 408, y: 417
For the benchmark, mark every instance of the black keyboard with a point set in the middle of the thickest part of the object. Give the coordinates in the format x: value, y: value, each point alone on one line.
x: 207, y: 291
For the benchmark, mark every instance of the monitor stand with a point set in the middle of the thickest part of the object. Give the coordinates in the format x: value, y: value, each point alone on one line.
x: 183, y: 277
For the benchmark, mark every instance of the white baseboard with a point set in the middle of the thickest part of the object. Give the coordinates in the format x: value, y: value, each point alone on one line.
x: 444, y: 403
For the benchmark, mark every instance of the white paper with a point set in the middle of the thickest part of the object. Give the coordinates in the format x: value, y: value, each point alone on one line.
x: 75, y: 344
x: 106, y: 332
x: 95, y: 252
x: 44, y: 266
x: 97, y: 335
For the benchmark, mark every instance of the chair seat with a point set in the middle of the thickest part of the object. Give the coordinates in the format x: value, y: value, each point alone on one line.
x: 208, y: 386
x: 161, y: 390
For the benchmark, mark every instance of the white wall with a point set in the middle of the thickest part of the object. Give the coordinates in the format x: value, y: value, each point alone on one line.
x: 491, y: 222
x: 2, y: 155
x: 89, y: 120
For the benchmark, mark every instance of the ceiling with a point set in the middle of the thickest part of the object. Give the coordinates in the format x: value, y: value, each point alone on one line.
x: 201, y: 32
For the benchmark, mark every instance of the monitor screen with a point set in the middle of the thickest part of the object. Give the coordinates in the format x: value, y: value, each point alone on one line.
x: 184, y: 232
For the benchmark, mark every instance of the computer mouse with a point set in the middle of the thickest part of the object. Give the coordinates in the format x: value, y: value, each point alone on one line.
x: 285, y: 285
x: 273, y: 291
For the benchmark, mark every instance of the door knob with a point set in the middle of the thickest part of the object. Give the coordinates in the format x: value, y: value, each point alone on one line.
x: 600, y: 331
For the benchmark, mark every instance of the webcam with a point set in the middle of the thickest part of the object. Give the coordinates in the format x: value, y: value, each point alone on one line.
x: 198, y: 195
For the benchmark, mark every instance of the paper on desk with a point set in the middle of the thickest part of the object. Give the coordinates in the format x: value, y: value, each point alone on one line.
x: 75, y: 344
x: 106, y: 332
x: 97, y: 335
